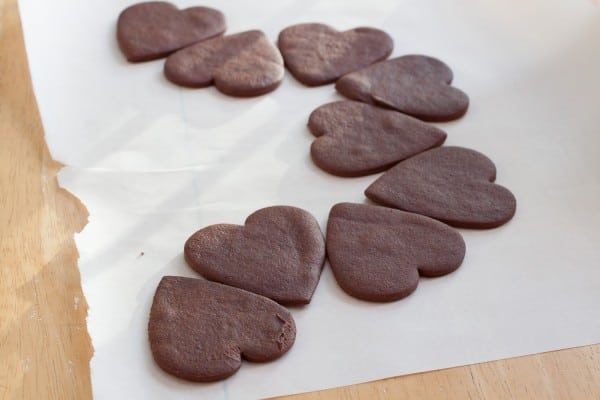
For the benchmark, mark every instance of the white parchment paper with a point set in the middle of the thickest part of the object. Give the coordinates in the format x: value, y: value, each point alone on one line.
x: 154, y: 162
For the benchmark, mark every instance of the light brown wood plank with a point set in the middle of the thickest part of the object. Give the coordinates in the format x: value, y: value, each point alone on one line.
x: 572, y: 374
x: 44, y: 345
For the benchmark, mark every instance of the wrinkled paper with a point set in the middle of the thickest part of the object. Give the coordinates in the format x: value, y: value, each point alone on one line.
x: 154, y: 162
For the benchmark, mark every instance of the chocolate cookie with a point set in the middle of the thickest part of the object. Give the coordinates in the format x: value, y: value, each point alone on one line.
x: 356, y: 139
x: 244, y: 64
x: 147, y: 31
x: 415, y: 85
x: 451, y: 184
x: 200, y: 330
x: 279, y: 253
x: 317, y: 54
x: 378, y: 253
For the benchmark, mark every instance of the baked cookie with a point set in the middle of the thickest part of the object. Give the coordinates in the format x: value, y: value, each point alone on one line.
x: 279, y: 253
x: 317, y: 54
x: 200, y: 330
x: 356, y: 139
x: 377, y: 253
x: 452, y: 184
x: 244, y: 64
x: 147, y: 31
x: 415, y: 85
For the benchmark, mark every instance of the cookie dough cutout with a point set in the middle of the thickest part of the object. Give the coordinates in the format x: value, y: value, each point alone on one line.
x: 415, y: 85
x: 378, y: 253
x: 243, y: 65
x: 201, y: 330
x: 151, y: 30
x: 452, y: 184
x: 357, y: 139
x: 279, y: 253
x: 317, y: 54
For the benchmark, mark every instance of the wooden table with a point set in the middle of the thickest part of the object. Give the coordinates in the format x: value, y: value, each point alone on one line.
x: 44, y: 344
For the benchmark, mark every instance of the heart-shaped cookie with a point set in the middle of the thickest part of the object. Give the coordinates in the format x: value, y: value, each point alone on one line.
x: 452, y: 184
x: 356, y: 139
x: 377, y: 253
x: 200, y: 330
x: 279, y: 253
x: 244, y: 64
x: 415, y: 85
x: 151, y: 30
x: 317, y: 54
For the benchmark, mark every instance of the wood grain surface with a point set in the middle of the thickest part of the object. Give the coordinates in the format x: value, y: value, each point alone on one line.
x: 44, y: 344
